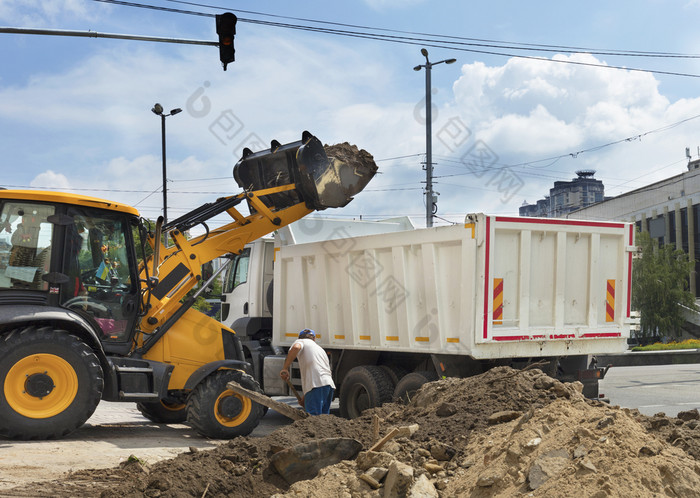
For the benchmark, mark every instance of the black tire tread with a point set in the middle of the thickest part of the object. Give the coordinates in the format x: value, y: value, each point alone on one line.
x: 13, y: 425
x: 200, y: 405
x: 410, y: 383
x: 395, y: 373
x: 374, y: 378
x: 156, y: 412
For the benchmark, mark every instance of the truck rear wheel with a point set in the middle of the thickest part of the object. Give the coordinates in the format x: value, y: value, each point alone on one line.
x: 51, y: 383
x: 395, y: 373
x: 366, y: 386
x: 163, y: 412
x: 215, y: 411
x: 410, y: 383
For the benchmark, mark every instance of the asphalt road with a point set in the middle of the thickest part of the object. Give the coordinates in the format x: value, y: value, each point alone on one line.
x: 653, y: 389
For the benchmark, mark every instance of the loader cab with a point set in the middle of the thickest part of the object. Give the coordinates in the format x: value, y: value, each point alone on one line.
x: 74, y: 256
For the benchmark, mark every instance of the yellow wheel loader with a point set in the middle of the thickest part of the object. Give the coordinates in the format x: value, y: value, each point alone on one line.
x: 94, y: 306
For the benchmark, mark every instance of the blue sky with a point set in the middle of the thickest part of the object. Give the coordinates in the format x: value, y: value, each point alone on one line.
x: 75, y: 112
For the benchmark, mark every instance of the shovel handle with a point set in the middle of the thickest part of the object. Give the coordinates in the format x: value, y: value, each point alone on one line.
x: 291, y: 386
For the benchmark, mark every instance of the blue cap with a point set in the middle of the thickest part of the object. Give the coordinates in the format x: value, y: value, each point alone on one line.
x: 307, y: 333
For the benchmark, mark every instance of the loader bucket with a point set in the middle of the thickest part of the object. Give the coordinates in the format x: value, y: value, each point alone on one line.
x: 320, y: 182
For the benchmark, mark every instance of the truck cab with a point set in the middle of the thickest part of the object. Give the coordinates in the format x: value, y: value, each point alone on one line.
x: 246, y: 302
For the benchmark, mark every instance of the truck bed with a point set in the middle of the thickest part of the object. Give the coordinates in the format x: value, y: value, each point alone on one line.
x: 491, y: 287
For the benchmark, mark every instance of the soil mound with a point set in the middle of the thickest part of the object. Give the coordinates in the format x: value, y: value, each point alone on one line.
x: 352, y: 155
x: 502, y: 433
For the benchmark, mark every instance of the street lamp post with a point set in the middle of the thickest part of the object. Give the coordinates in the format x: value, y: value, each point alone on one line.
x: 158, y: 111
x: 429, y: 135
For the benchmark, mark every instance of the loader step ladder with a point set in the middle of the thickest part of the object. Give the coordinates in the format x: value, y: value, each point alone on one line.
x: 141, y: 380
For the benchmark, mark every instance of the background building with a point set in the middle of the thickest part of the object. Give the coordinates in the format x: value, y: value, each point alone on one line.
x: 669, y: 210
x: 565, y: 197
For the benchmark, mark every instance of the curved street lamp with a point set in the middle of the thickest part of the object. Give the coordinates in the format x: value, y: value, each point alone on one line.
x: 158, y: 111
x: 429, y: 206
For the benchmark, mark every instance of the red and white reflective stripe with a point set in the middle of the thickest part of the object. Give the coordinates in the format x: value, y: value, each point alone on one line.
x: 497, y: 301
x: 610, y: 301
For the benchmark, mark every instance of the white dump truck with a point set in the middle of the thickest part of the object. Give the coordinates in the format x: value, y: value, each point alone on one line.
x: 403, y: 306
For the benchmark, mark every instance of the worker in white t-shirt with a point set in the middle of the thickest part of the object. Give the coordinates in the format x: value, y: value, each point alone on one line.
x: 316, y: 380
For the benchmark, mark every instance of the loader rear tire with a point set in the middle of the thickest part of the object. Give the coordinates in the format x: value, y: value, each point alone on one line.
x: 366, y: 386
x: 163, y: 412
x: 51, y: 383
x: 217, y: 412
x: 410, y: 383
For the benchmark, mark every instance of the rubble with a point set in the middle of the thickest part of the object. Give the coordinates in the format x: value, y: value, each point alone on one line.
x: 505, y: 433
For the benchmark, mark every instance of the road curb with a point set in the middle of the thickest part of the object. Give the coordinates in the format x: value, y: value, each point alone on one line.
x: 644, y: 358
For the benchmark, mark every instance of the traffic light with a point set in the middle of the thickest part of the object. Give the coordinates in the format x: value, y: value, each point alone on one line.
x: 226, y: 29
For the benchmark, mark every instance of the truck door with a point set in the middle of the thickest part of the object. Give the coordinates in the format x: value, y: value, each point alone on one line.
x: 101, y: 273
x: 235, y: 292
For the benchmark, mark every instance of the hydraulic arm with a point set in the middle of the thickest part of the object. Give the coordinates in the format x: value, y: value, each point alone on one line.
x: 281, y: 185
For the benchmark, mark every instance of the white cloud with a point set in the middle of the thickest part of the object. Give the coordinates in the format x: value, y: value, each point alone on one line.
x: 52, y: 180
x: 35, y: 13
x: 566, y: 90
x: 535, y: 102
x: 537, y: 133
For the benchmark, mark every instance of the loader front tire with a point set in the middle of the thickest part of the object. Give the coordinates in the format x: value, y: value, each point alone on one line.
x: 51, y: 383
x: 215, y: 411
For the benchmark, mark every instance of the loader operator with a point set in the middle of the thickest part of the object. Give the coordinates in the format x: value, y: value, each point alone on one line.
x: 316, y: 380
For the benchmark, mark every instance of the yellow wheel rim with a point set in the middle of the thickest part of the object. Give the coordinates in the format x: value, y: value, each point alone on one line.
x: 246, y: 407
x: 41, y: 385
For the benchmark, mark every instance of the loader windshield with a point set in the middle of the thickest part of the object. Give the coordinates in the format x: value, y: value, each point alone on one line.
x: 25, y: 245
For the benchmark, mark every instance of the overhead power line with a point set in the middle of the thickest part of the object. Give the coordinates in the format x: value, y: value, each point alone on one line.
x: 574, y: 155
x: 481, y: 41
x: 464, y: 45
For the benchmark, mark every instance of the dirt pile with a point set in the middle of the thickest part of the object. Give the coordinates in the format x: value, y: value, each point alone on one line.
x: 503, y: 433
x: 351, y: 154
x: 682, y: 431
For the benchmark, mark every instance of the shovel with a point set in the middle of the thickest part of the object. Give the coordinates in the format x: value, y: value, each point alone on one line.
x: 299, y: 398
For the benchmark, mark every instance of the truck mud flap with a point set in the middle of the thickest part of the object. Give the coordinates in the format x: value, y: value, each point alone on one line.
x: 590, y: 378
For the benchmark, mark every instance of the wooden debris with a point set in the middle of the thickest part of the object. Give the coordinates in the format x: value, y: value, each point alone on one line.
x: 371, y: 481
x: 260, y: 398
x: 405, y: 431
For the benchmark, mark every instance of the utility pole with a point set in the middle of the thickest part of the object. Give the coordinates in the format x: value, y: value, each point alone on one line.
x: 430, y: 206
